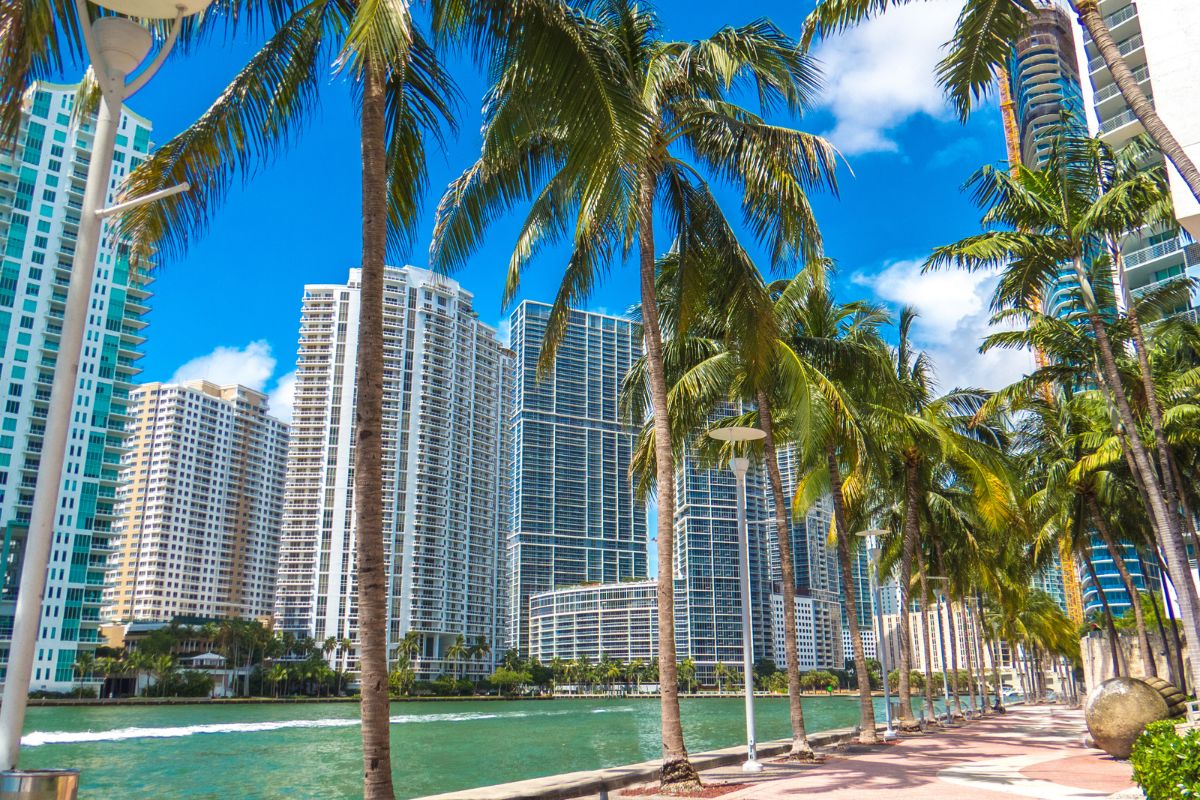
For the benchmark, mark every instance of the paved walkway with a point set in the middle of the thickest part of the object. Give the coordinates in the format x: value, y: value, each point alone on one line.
x: 1029, y: 752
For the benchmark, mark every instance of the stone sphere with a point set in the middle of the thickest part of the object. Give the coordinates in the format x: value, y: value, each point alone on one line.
x: 1118, y: 710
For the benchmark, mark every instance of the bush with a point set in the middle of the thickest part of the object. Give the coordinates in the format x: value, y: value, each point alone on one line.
x: 1165, y: 764
x: 189, y: 683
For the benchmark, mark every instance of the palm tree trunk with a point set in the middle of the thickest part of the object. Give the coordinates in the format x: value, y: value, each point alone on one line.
x: 926, y: 641
x: 912, y: 532
x: 1135, y: 601
x: 1173, y: 658
x: 970, y: 659
x: 997, y: 682
x: 677, y: 770
x: 801, y: 749
x: 952, y: 635
x: 1174, y: 626
x: 1114, y: 642
x: 1090, y: 18
x: 370, y: 563
x: 866, y: 706
x: 1166, y: 519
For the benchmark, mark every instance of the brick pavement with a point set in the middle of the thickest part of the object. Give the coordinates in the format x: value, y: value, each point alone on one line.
x: 1029, y: 752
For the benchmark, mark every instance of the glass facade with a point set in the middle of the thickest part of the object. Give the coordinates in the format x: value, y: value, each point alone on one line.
x: 575, y: 518
x: 42, y: 181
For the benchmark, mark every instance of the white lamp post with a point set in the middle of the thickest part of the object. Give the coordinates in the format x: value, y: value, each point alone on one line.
x: 939, y: 592
x: 875, y: 580
x: 739, y: 465
x: 117, y: 45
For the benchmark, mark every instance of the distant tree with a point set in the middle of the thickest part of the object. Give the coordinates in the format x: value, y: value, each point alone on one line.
x: 507, y: 680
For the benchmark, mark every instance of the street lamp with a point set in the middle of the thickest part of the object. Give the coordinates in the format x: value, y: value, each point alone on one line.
x: 117, y: 45
x: 739, y: 465
x: 939, y: 593
x: 875, y: 580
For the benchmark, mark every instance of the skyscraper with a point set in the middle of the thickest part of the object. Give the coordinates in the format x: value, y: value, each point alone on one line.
x: 198, y: 510
x: 1048, y: 97
x: 41, y: 192
x: 817, y: 583
x: 574, y: 515
x: 708, y: 604
x: 1157, y: 40
x: 447, y: 388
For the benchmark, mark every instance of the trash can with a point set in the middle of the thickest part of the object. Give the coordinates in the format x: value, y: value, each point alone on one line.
x: 39, y: 784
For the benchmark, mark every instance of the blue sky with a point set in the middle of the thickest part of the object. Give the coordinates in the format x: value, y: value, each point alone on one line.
x: 229, y: 310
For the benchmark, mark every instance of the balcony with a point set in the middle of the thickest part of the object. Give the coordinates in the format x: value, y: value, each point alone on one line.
x: 1130, y: 45
x: 1154, y: 252
x: 1142, y: 74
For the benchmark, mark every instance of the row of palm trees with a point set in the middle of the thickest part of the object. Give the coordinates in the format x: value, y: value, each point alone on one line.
x: 980, y: 490
x: 607, y: 134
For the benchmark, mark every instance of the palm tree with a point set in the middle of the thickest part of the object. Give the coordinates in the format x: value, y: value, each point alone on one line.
x: 161, y: 666
x: 403, y: 98
x: 85, y: 664
x: 735, y: 351
x: 842, y: 344
x: 592, y: 126
x: 687, y: 674
x: 108, y: 667
x: 1067, y: 213
x: 924, y: 433
x: 456, y: 652
x: 982, y: 44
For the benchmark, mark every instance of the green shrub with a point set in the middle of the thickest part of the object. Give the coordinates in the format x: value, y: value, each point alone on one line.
x: 1165, y: 764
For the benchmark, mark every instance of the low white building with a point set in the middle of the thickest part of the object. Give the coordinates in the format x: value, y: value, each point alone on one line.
x: 618, y: 620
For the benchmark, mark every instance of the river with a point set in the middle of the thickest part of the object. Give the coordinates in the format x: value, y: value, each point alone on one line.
x: 223, y: 752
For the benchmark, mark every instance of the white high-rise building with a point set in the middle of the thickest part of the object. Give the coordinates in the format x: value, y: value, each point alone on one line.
x: 198, y: 511
x: 818, y: 582
x: 447, y: 394
x: 42, y: 180
x: 1158, y: 39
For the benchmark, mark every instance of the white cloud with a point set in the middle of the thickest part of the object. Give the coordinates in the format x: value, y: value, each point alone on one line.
x: 881, y: 73
x: 281, y: 398
x: 251, y: 366
x: 504, y: 331
x: 952, y: 322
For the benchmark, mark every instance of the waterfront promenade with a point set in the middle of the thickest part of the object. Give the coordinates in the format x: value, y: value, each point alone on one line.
x: 1030, y: 752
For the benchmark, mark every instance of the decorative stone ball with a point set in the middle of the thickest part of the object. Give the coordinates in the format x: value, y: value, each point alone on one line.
x: 1118, y: 710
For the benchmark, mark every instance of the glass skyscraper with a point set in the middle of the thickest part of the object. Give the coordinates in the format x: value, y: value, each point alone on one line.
x: 575, y: 518
x: 1048, y: 96
x: 41, y: 193
x: 708, y: 605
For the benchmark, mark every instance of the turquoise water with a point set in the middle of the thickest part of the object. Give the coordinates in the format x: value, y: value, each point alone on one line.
x: 203, y: 752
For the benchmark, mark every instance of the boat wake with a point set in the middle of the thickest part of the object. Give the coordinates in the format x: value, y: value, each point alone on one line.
x: 39, y: 738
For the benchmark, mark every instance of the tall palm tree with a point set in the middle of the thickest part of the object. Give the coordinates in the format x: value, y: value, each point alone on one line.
x: 404, y: 98
x: 980, y: 48
x: 592, y: 126
x: 1066, y: 213
x: 843, y: 345
x: 923, y: 432
x: 735, y: 351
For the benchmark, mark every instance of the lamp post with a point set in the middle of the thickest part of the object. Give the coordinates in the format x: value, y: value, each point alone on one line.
x: 875, y: 580
x: 739, y: 465
x: 117, y: 45
x: 939, y: 592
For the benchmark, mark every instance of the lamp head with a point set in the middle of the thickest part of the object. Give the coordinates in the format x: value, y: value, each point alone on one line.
x: 872, y: 532
x: 155, y: 9
x: 737, y: 433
